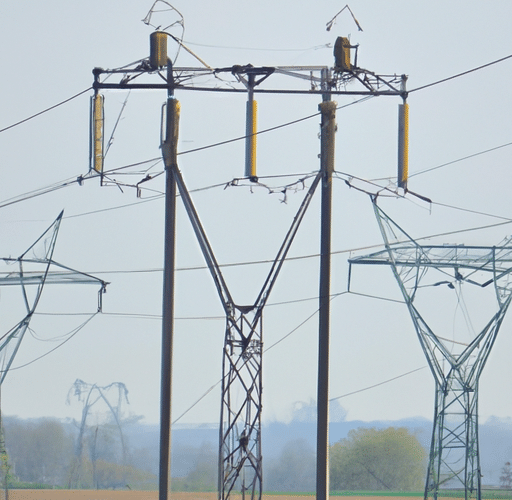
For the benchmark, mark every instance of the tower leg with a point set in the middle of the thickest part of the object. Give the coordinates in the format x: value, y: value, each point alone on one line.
x: 240, y: 462
x: 454, y: 456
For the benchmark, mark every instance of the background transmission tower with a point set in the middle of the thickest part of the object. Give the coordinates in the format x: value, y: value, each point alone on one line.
x: 456, y: 364
x: 32, y: 270
x: 89, y: 395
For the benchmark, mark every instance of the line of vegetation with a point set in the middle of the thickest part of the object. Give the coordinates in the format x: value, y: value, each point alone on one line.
x: 386, y: 493
x: 24, y: 485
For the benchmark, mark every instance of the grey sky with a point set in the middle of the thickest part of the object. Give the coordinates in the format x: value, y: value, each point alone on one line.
x: 49, y: 51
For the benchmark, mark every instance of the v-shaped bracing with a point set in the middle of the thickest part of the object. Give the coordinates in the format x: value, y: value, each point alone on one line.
x: 454, y: 461
x: 240, y: 461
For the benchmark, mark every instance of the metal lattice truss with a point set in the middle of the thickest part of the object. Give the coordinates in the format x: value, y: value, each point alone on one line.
x: 456, y: 365
x: 240, y: 462
x: 36, y: 268
x: 113, y: 396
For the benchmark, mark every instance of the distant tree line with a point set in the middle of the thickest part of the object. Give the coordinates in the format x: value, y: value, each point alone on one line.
x: 44, y: 451
x: 367, y: 459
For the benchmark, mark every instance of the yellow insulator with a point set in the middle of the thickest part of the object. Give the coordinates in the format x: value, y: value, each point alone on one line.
x: 403, y: 145
x: 158, y: 49
x: 250, y: 140
x: 97, y: 120
x: 342, y: 54
x: 170, y: 143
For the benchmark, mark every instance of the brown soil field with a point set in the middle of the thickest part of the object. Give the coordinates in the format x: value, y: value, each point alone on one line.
x: 152, y: 495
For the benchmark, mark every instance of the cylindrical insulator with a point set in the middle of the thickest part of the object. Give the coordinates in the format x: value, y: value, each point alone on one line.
x: 158, y: 49
x: 170, y: 144
x: 97, y: 123
x: 250, y: 140
x: 403, y: 145
x: 342, y: 54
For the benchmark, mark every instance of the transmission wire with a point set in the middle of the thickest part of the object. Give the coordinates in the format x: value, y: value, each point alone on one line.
x: 71, y: 335
x: 45, y: 110
x: 460, y: 74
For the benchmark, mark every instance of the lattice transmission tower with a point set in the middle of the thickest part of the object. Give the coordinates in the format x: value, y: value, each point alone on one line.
x: 240, y: 467
x: 32, y: 271
x: 240, y: 459
x: 113, y: 396
x: 472, y: 278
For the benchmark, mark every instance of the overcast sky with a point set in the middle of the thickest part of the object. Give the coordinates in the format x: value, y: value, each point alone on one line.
x: 49, y: 51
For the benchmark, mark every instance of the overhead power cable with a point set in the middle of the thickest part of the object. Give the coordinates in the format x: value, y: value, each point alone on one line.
x: 316, y: 47
x: 459, y: 159
x: 82, y: 178
x: 283, y: 338
x: 46, y: 110
x: 461, y: 74
x: 377, y: 385
x: 70, y: 335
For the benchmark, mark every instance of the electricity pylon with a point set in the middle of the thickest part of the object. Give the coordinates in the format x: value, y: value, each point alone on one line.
x: 35, y: 269
x: 89, y: 395
x: 456, y: 364
x: 32, y: 270
x: 243, y: 323
x: 240, y: 461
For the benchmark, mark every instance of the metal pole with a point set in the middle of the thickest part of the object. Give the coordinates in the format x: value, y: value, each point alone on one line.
x: 169, y: 154
x: 328, y: 129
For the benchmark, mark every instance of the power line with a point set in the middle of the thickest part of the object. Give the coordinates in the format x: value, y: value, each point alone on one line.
x: 46, y: 110
x: 377, y: 385
x: 460, y: 159
x: 82, y: 178
x: 70, y: 336
x: 316, y: 47
x: 461, y: 74
x: 285, y: 337
x: 310, y: 256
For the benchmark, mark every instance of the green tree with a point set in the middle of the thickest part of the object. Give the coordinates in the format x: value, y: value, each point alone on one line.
x: 378, y: 459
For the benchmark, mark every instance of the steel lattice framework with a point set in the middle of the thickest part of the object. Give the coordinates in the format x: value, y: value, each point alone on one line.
x: 240, y: 453
x: 454, y: 461
x: 240, y: 461
x: 36, y: 268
